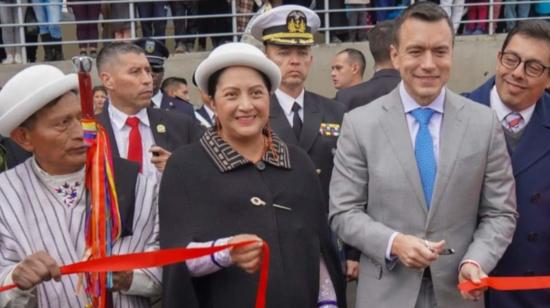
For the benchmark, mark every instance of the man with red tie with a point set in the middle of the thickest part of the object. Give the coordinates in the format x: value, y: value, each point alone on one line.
x: 137, y: 131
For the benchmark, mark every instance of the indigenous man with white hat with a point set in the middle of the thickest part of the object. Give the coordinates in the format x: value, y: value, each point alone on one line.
x: 43, y: 200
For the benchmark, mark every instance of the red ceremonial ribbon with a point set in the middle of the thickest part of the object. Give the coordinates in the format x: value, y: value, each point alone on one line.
x: 160, y: 258
x: 508, y: 283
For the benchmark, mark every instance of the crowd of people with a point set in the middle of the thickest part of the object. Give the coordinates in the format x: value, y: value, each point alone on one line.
x: 113, y: 21
x: 398, y: 183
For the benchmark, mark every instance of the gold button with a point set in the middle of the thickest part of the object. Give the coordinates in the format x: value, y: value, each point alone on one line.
x: 318, y: 171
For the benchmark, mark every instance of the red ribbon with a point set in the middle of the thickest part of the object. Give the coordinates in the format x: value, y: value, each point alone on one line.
x: 160, y: 258
x: 508, y: 283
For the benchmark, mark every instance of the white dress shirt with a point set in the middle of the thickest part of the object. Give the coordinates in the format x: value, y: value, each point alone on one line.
x: 409, y: 104
x: 122, y: 135
x: 204, y: 122
x: 157, y: 99
x: 286, y: 101
x: 502, y: 110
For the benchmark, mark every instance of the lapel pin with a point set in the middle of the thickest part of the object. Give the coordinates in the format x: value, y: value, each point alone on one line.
x: 257, y: 201
x: 161, y: 129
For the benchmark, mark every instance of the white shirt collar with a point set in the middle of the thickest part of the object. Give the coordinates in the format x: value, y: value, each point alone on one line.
x: 409, y: 103
x: 118, y: 118
x: 286, y: 101
x: 502, y: 110
x: 208, y: 111
x: 157, y: 99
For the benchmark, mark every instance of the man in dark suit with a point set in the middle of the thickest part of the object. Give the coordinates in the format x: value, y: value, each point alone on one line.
x: 137, y: 131
x: 517, y: 94
x: 156, y: 54
x: 299, y: 116
x: 347, y: 68
x: 385, y: 78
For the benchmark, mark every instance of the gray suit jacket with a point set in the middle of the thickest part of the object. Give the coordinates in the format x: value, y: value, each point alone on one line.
x: 375, y: 190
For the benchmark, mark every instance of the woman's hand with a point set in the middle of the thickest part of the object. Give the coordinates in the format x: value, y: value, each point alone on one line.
x: 247, y: 257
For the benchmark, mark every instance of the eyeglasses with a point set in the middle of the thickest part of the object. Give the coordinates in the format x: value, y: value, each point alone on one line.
x: 532, y: 68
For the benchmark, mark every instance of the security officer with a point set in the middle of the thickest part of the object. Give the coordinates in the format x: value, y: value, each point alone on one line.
x: 298, y: 116
x: 157, y: 53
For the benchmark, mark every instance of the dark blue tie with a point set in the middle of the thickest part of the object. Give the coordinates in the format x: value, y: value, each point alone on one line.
x: 424, y: 152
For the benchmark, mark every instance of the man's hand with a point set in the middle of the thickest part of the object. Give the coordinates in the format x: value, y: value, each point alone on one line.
x: 34, y: 269
x: 415, y: 252
x: 471, y: 272
x: 352, y: 270
x: 247, y: 257
x: 160, y: 156
x: 122, y: 280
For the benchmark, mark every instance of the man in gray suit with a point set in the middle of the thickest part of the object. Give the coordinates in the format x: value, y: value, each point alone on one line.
x: 422, y: 181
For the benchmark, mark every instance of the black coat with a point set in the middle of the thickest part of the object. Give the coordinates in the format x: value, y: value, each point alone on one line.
x: 14, y: 153
x: 179, y: 129
x: 382, y: 83
x: 201, y: 201
x: 175, y: 104
x: 318, y: 110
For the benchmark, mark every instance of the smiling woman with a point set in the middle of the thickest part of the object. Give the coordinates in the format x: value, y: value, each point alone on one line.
x: 242, y: 179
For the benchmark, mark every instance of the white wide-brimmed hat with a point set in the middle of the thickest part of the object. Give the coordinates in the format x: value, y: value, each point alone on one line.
x: 30, y: 90
x: 236, y: 54
x: 290, y: 24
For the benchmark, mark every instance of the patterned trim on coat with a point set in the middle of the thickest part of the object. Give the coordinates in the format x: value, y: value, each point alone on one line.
x: 227, y: 159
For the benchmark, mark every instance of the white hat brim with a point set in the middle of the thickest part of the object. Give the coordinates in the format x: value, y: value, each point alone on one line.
x: 217, y: 62
x: 36, y: 99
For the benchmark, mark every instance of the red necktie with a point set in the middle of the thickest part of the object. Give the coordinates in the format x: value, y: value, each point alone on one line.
x: 135, y: 152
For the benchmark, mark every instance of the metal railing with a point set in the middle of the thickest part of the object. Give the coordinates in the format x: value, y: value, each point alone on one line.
x: 325, y: 15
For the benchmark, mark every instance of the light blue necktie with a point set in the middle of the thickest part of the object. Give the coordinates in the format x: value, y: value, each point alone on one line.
x: 424, y: 152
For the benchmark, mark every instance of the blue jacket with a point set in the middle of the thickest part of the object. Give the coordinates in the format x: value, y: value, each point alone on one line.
x: 529, y: 252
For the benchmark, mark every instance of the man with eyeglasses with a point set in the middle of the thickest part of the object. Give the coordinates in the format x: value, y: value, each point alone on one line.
x: 517, y: 94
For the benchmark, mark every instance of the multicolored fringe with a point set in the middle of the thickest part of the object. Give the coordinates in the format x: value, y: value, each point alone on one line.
x: 103, y: 224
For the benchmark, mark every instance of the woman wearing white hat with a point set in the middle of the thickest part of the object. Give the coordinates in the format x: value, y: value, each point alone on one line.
x: 241, y: 178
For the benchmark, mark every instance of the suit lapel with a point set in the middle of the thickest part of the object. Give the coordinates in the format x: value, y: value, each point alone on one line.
x: 453, y: 128
x: 105, y: 121
x: 534, y: 142
x: 158, y: 128
x: 279, y: 122
x: 396, y: 129
x: 312, y: 122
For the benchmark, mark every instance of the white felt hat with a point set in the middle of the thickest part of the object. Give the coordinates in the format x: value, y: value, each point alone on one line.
x: 30, y: 90
x: 236, y: 54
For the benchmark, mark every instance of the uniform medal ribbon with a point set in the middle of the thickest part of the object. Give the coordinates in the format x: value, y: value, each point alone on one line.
x: 160, y: 258
x: 508, y: 283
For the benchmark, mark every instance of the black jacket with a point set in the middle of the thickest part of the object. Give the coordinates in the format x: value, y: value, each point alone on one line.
x: 179, y: 129
x: 14, y: 153
x: 175, y: 104
x: 207, y: 194
x: 320, y: 146
x: 382, y: 83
